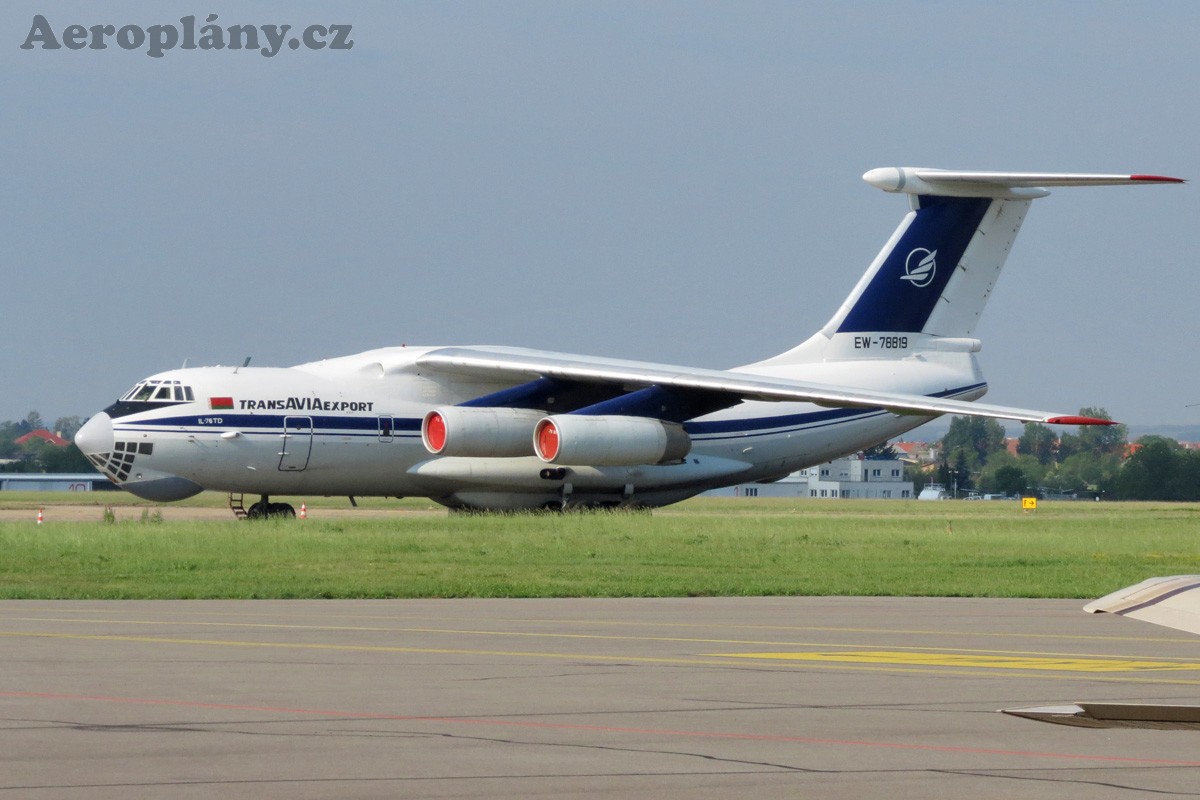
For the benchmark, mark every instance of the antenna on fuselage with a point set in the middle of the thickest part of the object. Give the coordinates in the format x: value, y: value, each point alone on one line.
x: 185, y: 363
x: 245, y: 363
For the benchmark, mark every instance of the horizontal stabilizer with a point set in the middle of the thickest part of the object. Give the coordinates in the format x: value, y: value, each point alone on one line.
x: 1009, y: 185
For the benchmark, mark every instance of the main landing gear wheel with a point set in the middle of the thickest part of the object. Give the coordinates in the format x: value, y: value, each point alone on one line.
x: 264, y: 509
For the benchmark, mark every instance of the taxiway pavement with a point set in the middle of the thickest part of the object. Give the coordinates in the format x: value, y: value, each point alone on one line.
x: 670, y: 698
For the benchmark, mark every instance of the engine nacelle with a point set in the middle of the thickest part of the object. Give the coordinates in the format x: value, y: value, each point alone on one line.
x: 480, y: 432
x: 609, y: 441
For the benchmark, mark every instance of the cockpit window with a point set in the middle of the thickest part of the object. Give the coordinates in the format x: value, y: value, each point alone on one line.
x: 154, y: 391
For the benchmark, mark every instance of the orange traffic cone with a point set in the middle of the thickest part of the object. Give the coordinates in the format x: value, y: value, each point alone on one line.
x: 39, y: 516
x: 303, y: 511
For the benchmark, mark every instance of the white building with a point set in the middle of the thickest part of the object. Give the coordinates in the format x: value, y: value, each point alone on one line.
x: 852, y: 477
x: 54, y: 482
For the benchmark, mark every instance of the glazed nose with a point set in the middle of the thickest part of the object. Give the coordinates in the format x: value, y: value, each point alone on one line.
x: 96, y: 436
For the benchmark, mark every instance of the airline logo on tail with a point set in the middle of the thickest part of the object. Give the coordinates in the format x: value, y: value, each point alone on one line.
x: 920, y: 267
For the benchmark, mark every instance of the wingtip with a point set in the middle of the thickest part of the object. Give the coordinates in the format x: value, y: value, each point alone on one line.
x: 1070, y: 420
x: 1155, y: 179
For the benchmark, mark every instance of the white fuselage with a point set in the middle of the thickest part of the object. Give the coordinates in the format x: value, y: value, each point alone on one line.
x: 351, y: 426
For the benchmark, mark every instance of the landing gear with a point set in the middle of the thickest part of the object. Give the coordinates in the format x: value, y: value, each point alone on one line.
x: 265, y: 509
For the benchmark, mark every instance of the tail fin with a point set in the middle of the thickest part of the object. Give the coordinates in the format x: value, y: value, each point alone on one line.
x: 936, y: 272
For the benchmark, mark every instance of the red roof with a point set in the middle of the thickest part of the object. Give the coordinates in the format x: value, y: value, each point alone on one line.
x: 44, y: 435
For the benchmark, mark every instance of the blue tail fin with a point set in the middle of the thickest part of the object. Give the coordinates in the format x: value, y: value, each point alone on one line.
x: 913, y: 275
x: 927, y: 288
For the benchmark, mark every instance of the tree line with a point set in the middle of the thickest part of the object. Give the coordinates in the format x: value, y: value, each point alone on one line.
x: 37, y: 455
x: 1098, y: 462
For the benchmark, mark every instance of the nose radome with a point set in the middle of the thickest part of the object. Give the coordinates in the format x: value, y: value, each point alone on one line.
x: 96, y: 436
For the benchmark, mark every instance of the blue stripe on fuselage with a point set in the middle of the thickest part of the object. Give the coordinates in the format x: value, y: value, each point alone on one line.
x: 275, y: 422
x: 405, y: 427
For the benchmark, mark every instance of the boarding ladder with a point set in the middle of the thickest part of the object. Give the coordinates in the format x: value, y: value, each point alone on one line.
x: 236, y: 505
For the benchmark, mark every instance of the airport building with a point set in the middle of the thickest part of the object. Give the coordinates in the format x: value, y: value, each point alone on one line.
x: 850, y: 478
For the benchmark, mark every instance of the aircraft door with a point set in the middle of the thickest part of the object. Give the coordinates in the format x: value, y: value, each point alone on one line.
x: 297, y: 444
x: 386, y: 429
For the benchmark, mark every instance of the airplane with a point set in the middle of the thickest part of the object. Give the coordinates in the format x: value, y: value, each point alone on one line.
x: 1173, y: 602
x: 504, y: 429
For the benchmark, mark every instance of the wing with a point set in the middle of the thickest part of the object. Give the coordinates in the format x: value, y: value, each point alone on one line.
x: 521, y: 364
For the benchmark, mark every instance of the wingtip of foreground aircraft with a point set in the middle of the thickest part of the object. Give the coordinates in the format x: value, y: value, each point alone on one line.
x: 1143, y: 716
x: 1173, y: 602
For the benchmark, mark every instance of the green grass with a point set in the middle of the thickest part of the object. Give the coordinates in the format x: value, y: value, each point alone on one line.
x: 702, y: 547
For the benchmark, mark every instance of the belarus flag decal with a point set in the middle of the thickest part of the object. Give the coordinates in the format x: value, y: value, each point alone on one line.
x: 218, y: 403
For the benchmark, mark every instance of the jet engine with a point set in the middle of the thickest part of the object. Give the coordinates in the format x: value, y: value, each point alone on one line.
x: 609, y: 440
x: 479, y: 432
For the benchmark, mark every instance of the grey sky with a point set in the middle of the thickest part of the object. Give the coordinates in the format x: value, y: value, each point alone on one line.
x: 676, y: 182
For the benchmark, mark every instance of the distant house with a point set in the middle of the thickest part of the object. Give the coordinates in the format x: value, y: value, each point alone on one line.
x: 45, y: 435
x: 917, y: 452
